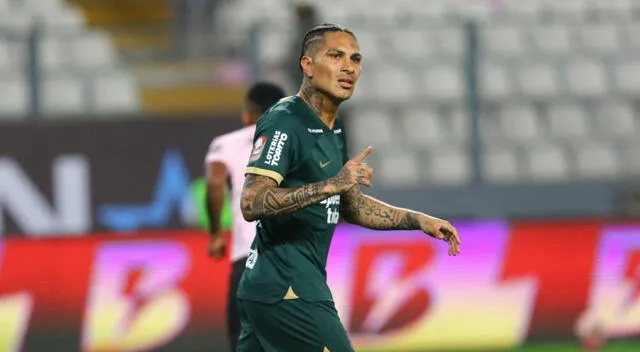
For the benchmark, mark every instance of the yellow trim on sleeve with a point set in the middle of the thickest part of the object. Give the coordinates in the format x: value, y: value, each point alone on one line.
x: 263, y: 172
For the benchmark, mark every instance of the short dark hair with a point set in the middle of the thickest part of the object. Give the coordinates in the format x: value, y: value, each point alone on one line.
x: 262, y: 95
x: 316, y: 34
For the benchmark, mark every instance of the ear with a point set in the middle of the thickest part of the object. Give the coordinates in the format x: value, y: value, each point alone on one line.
x: 246, y: 117
x: 306, y: 63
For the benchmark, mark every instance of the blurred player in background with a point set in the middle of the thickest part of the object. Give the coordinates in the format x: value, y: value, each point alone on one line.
x: 226, y: 162
x: 299, y: 182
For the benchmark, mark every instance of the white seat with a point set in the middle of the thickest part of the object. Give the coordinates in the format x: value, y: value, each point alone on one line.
x: 613, y: 9
x: 397, y: 168
x: 503, y: 40
x: 553, y: 39
x: 630, y: 158
x: 42, y: 6
x: 538, y: 80
x: 443, y: 82
x: 114, y: 92
x: 496, y: 83
x: 17, y: 23
x: 95, y: 51
x: 566, y: 10
x: 67, y: 19
x: 519, y: 123
x: 627, y: 76
x: 395, y: 84
x: 632, y: 35
x: 371, y: 126
x: 423, y: 127
x: 616, y: 119
x: 448, y: 40
x: 500, y: 165
x: 596, y: 161
x: 273, y: 46
x: 57, y: 52
x: 62, y: 94
x: 449, y: 166
x: 586, y: 78
x: 546, y: 163
x: 411, y: 44
x: 520, y: 10
x: 568, y: 121
x: 599, y: 38
x: 14, y: 98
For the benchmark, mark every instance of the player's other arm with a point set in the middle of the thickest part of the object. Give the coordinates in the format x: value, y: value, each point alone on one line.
x: 262, y: 198
x: 360, y: 209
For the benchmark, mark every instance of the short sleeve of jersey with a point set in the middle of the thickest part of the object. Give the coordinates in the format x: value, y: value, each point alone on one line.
x: 217, y: 152
x: 275, y: 147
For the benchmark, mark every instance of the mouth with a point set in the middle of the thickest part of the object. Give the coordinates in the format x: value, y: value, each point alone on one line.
x: 346, y: 83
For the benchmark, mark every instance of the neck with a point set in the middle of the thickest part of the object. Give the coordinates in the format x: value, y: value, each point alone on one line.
x: 325, y: 107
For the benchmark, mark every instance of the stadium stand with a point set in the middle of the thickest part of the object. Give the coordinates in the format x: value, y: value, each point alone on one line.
x: 77, y: 64
x: 559, y: 85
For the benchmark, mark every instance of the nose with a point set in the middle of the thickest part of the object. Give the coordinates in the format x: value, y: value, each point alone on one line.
x: 348, y: 66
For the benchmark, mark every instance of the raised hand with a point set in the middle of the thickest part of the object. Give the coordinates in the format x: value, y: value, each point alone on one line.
x: 354, y: 172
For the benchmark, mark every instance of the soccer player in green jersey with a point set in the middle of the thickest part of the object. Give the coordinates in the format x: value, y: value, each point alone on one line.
x: 299, y: 182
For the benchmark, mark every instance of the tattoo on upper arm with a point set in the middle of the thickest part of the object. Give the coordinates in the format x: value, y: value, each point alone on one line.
x: 363, y: 210
x: 261, y: 198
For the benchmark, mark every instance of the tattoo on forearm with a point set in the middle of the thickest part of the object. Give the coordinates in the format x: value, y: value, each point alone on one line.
x: 362, y: 210
x: 261, y: 198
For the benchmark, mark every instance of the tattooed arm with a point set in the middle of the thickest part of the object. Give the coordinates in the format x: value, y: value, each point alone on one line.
x: 360, y: 209
x: 262, y: 198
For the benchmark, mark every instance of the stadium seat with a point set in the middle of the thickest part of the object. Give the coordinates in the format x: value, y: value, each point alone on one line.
x: 495, y: 81
x: 14, y: 97
x: 627, y: 75
x: 371, y: 126
x: 546, y: 163
x: 599, y: 38
x: 586, y: 78
x: 443, y: 82
x: 538, y: 80
x: 552, y: 39
x: 519, y: 124
x: 519, y: 11
x: 503, y: 41
x: 448, y: 41
x: 114, y: 92
x: 448, y: 166
x: 397, y: 168
x: 94, y: 51
x: 566, y: 10
x: 424, y: 128
x: 500, y: 165
x: 568, y: 121
x: 615, y: 119
x: 62, y: 95
x: 395, y: 85
x: 629, y: 154
x: 596, y: 161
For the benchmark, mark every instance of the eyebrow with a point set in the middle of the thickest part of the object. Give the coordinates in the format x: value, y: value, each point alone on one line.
x: 343, y: 53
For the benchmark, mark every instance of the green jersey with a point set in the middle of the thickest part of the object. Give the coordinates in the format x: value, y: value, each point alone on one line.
x: 289, y: 253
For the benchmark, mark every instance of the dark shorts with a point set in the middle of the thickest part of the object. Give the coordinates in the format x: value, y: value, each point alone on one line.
x: 291, y: 326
